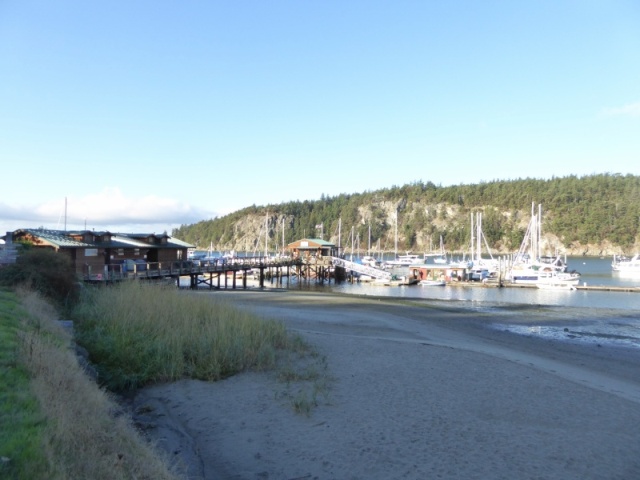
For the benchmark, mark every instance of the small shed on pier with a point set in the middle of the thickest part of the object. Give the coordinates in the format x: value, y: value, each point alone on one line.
x: 313, y: 247
x: 447, y: 273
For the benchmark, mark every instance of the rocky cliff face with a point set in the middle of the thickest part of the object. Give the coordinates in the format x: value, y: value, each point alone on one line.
x: 257, y: 232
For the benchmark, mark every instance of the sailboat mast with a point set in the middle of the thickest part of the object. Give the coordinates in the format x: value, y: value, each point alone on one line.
x: 266, y: 235
x: 396, y: 241
x: 472, y: 240
x: 539, y: 230
x: 533, y: 249
x: 479, y: 235
x: 352, y: 240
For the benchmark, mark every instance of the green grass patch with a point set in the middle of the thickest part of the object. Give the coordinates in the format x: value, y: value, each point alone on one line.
x: 21, y: 422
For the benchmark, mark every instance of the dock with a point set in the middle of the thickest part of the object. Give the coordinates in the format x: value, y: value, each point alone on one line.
x: 505, y: 284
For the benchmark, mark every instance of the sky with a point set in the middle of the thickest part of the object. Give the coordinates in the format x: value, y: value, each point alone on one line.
x: 141, y: 116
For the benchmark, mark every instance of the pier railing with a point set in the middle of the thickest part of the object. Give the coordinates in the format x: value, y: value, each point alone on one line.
x: 359, y: 268
x: 178, y: 268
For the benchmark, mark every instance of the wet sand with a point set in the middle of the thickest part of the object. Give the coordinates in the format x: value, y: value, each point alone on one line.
x: 417, y: 392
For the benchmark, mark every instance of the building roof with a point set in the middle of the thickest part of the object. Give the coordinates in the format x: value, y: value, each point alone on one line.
x: 310, y: 243
x: 103, y: 239
x: 55, y: 238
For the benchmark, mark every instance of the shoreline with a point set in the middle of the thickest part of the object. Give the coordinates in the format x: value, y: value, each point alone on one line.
x: 419, y: 391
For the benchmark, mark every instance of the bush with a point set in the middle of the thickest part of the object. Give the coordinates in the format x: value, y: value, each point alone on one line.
x: 46, y: 272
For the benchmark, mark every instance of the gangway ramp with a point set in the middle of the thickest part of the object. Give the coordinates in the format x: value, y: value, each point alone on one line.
x: 362, y: 269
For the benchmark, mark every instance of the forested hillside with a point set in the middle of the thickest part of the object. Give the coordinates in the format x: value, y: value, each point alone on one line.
x: 593, y: 215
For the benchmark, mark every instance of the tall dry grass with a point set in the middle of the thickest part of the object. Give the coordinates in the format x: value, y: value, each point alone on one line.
x: 84, y: 433
x: 139, y: 333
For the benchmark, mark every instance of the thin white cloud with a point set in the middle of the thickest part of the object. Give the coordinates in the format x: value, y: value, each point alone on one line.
x: 108, y: 209
x: 630, y: 110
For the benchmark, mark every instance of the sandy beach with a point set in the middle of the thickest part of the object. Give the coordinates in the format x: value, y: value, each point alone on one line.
x: 416, y: 392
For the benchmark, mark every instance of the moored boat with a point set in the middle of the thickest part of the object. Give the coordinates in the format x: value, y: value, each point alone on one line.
x: 626, y: 265
x: 439, y: 257
x: 529, y: 266
x: 404, y: 260
x: 395, y: 281
x: 370, y: 261
x: 556, y: 285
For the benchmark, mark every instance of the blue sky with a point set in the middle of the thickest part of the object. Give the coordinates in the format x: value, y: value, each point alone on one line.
x: 144, y: 115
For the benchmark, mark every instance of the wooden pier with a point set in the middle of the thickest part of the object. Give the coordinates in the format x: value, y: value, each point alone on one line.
x: 224, y: 273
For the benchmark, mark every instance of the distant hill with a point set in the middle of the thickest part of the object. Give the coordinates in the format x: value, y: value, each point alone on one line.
x: 588, y: 215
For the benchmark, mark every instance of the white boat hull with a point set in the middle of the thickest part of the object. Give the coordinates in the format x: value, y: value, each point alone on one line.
x: 556, y: 286
x: 626, y: 267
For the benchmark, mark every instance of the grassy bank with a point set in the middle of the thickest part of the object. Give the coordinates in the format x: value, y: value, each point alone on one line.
x: 21, y: 421
x: 56, y: 423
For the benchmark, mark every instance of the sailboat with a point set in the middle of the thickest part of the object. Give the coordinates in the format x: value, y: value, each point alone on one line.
x: 439, y: 258
x: 402, y: 260
x: 531, y: 267
x: 480, y: 268
x: 369, y: 259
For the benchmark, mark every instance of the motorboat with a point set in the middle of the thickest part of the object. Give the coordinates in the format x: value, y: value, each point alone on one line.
x: 626, y: 265
x: 539, y: 273
x: 437, y: 258
x: 404, y: 260
x: 432, y: 283
x: 370, y: 261
x: 395, y: 281
x: 555, y: 284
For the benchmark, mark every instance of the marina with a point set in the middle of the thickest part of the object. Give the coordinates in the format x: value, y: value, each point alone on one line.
x: 599, y: 286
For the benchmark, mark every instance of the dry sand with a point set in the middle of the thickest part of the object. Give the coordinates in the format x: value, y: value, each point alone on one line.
x: 417, y: 393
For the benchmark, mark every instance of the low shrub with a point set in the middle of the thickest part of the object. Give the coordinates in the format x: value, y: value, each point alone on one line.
x: 46, y: 272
